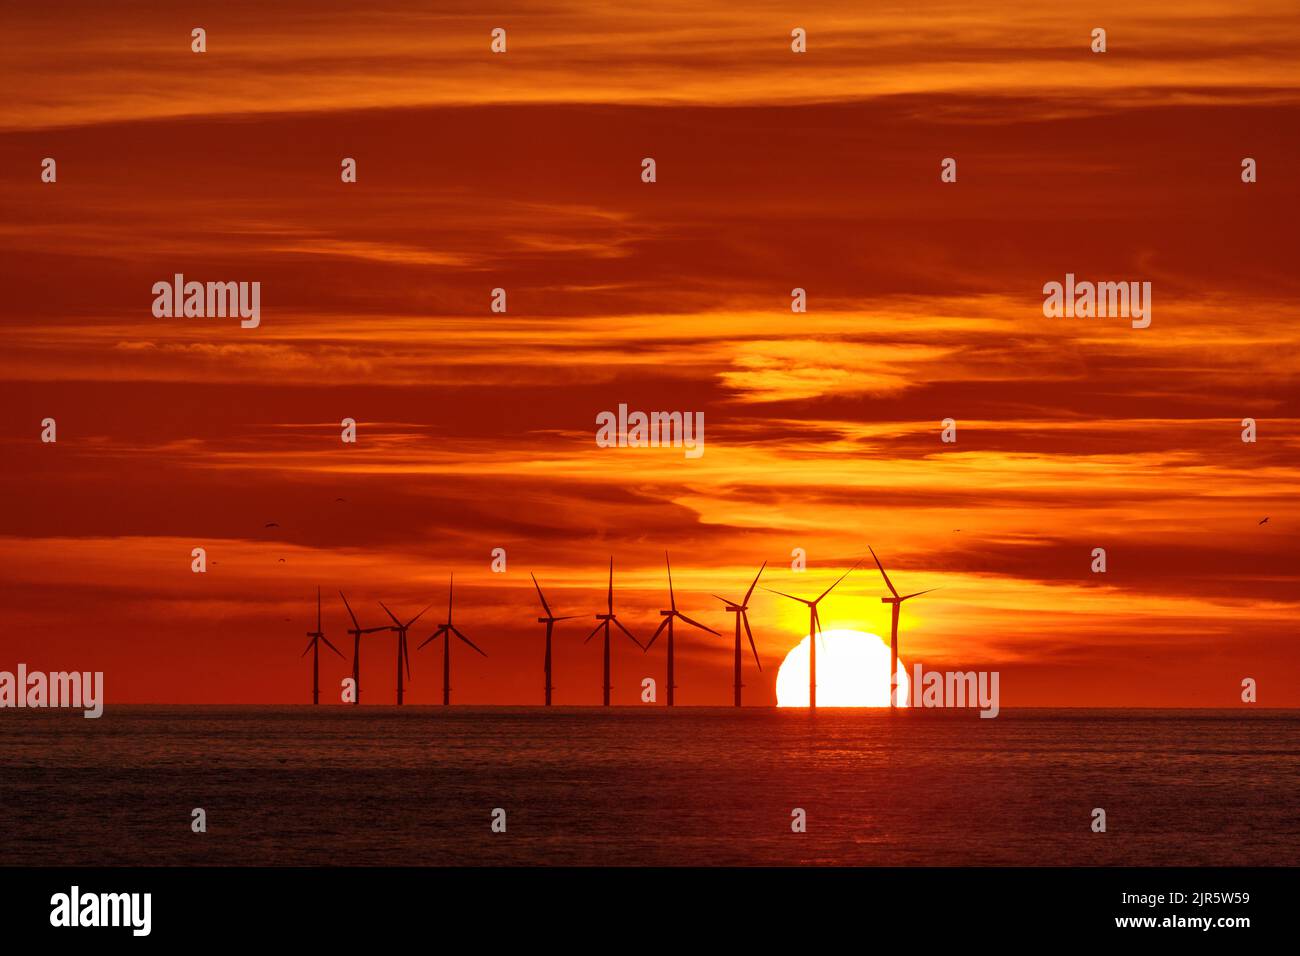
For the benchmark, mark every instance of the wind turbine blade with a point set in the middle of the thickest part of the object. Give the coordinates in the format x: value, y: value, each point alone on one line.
x: 658, y: 631
x: 745, y: 617
x: 309, y: 644
x: 546, y: 606
x: 790, y: 596
x: 390, y: 614
x: 355, y: 622
x: 672, y: 598
x: 571, y: 617
x: 888, y: 583
x: 417, y: 617
x: 434, y: 636
x: 838, y: 580
x: 406, y: 655
x: 629, y: 634
x: 470, y: 643
x: 374, y: 630
x: 420, y: 647
x: 331, y: 646
x: 722, y: 599
x: 611, y: 585
x: 698, y: 624
x: 752, y: 586
x: 916, y: 594
x: 595, y: 632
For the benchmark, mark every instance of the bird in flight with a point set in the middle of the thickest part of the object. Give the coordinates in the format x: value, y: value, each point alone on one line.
x: 270, y: 524
x: 282, y: 560
x: 1264, y: 521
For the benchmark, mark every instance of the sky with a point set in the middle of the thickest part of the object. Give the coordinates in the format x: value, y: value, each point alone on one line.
x: 476, y: 430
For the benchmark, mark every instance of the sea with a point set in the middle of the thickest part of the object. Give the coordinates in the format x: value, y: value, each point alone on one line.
x: 485, y: 786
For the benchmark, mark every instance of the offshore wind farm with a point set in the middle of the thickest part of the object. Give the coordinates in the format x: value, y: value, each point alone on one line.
x: 606, y: 622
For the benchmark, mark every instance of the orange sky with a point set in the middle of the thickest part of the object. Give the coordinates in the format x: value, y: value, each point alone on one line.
x: 822, y: 430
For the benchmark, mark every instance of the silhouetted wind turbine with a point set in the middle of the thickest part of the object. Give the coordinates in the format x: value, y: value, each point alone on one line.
x: 403, y: 652
x: 667, y: 622
x: 356, y: 630
x: 605, y: 620
x: 741, y: 610
x: 549, y: 621
x: 814, y: 623
x: 314, y: 645
x: 445, y: 631
x: 895, y: 603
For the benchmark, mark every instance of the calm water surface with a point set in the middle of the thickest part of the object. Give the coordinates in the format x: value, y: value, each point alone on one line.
x: 633, y: 786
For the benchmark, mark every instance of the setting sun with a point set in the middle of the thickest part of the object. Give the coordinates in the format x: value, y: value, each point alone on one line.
x: 852, y: 671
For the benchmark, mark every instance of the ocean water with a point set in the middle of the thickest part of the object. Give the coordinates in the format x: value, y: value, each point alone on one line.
x: 642, y: 786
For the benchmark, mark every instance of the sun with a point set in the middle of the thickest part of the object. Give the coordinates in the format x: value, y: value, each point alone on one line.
x: 852, y: 671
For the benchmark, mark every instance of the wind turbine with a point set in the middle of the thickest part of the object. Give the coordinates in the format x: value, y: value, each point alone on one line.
x: 741, y: 610
x: 314, y: 645
x: 667, y: 622
x: 356, y: 630
x: 445, y: 631
x: 549, y: 621
x: 605, y: 620
x: 403, y: 652
x: 895, y: 603
x: 814, y: 623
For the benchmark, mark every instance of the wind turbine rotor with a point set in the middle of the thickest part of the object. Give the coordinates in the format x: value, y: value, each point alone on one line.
x: 888, y: 583
x: 658, y: 631
x: 745, y: 617
x: 629, y: 633
x: 541, y: 596
x: 750, y: 592
x: 702, y: 627
x: 469, y: 642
